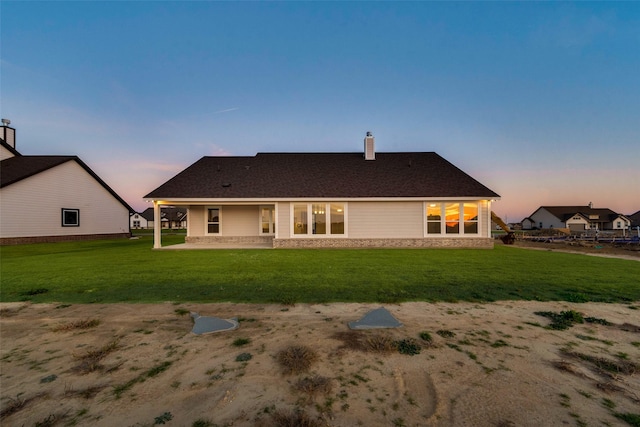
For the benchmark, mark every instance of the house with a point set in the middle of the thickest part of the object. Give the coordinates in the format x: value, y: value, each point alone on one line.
x: 54, y: 198
x: 635, y: 219
x: 576, y: 218
x: 311, y: 200
x: 138, y: 221
x: 529, y: 224
x: 171, y: 218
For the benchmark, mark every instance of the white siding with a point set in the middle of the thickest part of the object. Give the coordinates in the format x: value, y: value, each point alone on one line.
x: 195, y: 224
x: 140, y: 218
x: 240, y: 221
x: 385, y: 220
x: 5, y: 154
x: 547, y: 219
x: 283, y: 221
x: 32, y: 207
x: 483, y: 215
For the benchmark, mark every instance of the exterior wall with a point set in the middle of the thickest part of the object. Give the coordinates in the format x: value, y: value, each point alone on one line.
x: 369, y: 224
x: 137, y: 217
x: 385, y: 220
x: 239, y: 221
x: 265, y: 240
x: 484, y: 218
x: 195, y: 225
x: 32, y: 207
x: 5, y: 154
x: 54, y: 239
x: 577, y: 223
x: 283, y: 220
x: 620, y: 224
x: 547, y: 219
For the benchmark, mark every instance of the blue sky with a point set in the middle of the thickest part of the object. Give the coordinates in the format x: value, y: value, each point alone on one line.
x: 540, y: 101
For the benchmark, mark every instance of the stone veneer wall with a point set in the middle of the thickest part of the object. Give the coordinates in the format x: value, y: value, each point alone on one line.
x: 475, y: 243
x: 229, y: 239
x: 53, y: 239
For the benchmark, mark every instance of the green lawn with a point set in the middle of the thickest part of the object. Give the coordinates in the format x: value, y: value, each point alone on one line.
x: 130, y: 271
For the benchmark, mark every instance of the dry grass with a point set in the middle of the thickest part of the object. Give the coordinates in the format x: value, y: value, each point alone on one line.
x: 380, y: 344
x: 296, y: 359
x: 609, y: 387
x: 360, y: 341
x: 351, y: 340
x: 90, y: 361
x: 293, y: 419
x: 51, y: 420
x: 8, y: 312
x: 563, y: 365
x: 86, y: 393
x: 603, y: 365
x: 19, y: 403
x: 313, y: 385
x: 628, y: 327
x: 79, y: 324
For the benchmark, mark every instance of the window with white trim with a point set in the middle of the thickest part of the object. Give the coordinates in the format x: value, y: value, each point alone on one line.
x: 70, y: 217
x: 213, y: 220
x: 447, y: 218
x: 318, y: 219
x: 267, y: 220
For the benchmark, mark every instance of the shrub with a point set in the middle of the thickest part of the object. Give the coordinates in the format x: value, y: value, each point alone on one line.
x: 408, y: 346
x: 296, y: 359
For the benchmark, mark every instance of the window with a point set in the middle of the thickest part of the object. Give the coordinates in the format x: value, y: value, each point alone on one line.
x: 470, y: 216
x: 434, y: 216
x: 213, y: 220
x: 319, y: 219
x: 267, y: 220
x: 70, y: 217
x: 337, y: 218
x: 300, y: 219
x: 452, y: 217
x: 136, y: 223
x: 447, y: 218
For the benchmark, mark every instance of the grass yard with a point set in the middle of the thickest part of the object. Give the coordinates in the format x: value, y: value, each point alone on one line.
x: 107, y: 271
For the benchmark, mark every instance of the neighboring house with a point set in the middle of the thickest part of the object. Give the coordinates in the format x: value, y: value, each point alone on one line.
x: 576, y: 218
x: 529, y: 224
x: 170, y: 218
x: 330, y: 200
x: 137, y: 221
x: 54, y: 198
x: 173, y: 217
x: 147, y: 214
x: 635, y: 219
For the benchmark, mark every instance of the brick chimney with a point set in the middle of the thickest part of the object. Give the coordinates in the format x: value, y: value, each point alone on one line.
x: 8, y: 134
x: 369, y: 147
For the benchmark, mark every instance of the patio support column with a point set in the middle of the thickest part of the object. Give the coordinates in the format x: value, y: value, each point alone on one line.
x: 157, y: 226
x: 489, y: 220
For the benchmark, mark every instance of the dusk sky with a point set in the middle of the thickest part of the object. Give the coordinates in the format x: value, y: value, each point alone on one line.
x: 539, y: 101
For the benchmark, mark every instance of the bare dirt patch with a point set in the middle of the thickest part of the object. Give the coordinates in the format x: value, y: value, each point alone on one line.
x: 474, y: 364
x: 609, y: 250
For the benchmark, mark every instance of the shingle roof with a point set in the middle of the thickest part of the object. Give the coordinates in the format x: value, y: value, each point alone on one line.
x: 563, y: 213
x: 322, y: 175
x: 20, y: 167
